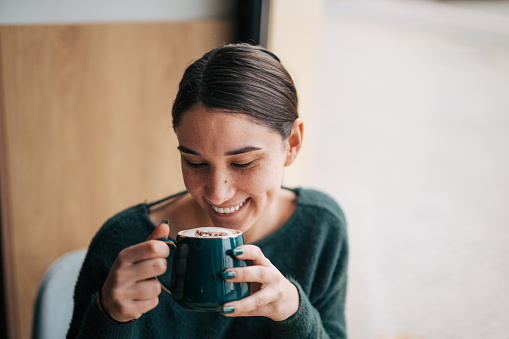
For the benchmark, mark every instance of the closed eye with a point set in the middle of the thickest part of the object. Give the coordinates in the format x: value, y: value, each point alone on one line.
x: 243, y: 166
x: 194, y: 165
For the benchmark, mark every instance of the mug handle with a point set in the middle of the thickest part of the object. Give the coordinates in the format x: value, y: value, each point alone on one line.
x: 174, y: 244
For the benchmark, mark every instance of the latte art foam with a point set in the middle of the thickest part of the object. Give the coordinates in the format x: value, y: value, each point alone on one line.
x: 209, y: 232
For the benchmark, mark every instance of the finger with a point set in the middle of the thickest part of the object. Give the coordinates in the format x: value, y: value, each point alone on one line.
x: 162, y: 231
x: 258, y: 274
x: 142, y: 290
x: 147, y: 250
x: 254, y: 254
x: 262, y: 311
x: 253, y: 303
x: 146, y: 290
x: 148, y: 269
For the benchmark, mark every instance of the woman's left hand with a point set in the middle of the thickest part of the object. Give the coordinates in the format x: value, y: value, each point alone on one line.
x: 272, y: 295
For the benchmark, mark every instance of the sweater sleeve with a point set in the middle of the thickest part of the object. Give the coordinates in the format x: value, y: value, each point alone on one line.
x: 87, y: 320
x: 321, y: 311
x: 95, y: 325
x: 310, y: 322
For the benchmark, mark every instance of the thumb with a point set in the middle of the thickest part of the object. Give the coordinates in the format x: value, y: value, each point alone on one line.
x: 162, y: 231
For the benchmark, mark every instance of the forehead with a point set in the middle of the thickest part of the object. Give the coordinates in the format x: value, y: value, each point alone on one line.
x: 217, y: 131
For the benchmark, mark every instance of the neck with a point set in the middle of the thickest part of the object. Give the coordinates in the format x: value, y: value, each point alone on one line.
x: 279, y: 212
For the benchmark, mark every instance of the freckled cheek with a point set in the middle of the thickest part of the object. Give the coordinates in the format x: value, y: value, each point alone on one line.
x: 250, y: 185
x: 192, y: 181
x: 260, y: 181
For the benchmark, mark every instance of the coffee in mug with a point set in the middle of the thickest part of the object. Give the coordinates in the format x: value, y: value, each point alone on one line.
x: 193, y: 276
x: 209, y: 232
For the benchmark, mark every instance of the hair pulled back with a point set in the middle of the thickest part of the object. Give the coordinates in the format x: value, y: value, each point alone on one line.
x: 240, y: 78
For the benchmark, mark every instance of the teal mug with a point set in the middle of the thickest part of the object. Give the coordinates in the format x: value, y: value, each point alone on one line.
x: 193, y: 276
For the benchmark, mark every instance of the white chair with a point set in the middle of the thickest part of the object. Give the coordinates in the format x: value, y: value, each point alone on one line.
x: 54, y: 304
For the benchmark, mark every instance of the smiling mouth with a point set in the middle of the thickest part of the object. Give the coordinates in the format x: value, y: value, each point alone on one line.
x: 228, y: 210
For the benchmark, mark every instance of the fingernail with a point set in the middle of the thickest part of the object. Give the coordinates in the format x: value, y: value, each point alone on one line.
x: 228, y: 274
x: 165, y: 221
x: 227, y: 309
x: 238, y: 251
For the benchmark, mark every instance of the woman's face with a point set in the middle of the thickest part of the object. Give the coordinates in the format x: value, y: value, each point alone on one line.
x: 231, y: 166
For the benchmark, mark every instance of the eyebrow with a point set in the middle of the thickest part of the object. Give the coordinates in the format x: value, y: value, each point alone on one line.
x: 187, y: 150
x: 242, y: 150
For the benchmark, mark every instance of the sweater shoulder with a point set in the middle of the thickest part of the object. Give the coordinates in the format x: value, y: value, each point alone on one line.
x: 134, y: 219
x: 320, y: 202
x: 126, y: 218
x: 123, y: 229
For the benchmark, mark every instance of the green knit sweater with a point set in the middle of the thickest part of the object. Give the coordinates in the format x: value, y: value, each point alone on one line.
x: 310, y: 249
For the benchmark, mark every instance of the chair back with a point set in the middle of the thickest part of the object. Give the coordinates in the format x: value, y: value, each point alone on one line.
x: 54, y: 304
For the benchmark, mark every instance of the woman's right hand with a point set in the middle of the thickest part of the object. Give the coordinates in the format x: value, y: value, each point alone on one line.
x: 130, y: 288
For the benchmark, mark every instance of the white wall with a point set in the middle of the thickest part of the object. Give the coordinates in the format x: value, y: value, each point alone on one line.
x: 73, y: 11
x: 294, y: 35
x: 413, y: 141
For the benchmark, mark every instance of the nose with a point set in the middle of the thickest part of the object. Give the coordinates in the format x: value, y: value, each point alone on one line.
x: 219, y: 187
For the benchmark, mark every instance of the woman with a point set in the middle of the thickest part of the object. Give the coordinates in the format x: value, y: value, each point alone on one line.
x: 237, y: 125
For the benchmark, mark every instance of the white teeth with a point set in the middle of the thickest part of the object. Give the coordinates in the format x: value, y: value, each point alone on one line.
x: 228, y: 210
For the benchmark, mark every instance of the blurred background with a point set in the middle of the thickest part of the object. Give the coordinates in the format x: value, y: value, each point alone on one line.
x: 412, y: 138
x: 407, y: 117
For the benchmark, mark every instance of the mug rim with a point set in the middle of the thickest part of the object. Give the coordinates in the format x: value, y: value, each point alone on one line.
x: 236, y: 233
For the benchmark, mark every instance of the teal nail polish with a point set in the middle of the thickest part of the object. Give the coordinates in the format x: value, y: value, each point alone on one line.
x: 227, y: 309
x: 228, y: 275
x: 165, y: 221
x: 238, y: 251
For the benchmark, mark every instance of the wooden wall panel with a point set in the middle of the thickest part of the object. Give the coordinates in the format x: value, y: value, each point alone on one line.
x: 87, y: 132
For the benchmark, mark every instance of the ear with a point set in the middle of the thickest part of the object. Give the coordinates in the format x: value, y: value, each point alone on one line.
x: 294, y: 141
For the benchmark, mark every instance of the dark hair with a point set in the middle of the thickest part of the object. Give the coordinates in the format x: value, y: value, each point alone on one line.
x: 240, y: 78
